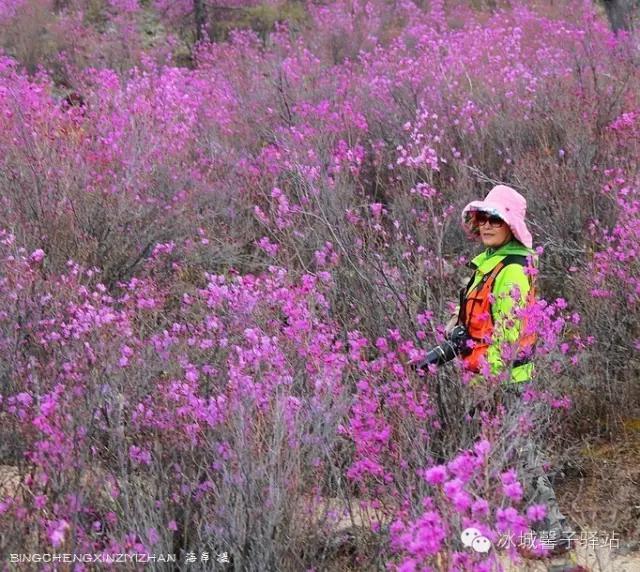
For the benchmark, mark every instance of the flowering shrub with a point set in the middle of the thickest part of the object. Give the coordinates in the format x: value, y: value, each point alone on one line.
x: 214, y: 280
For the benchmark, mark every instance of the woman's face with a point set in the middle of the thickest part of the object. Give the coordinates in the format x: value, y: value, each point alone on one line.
x: 493, y: 232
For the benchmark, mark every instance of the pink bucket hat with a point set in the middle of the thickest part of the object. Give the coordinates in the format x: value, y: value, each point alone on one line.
x: 506, y: 203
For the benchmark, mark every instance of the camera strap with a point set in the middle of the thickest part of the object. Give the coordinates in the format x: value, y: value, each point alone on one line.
x: 462, y: 318
x: 464, y: 292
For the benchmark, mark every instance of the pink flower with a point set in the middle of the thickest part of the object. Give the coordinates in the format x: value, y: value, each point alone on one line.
x: 142, y: 456
x: 462, y: 501
x: 482, y: 448
x: 508, y: 519
x: 269, y: 247
x: 436, y: 475
x: 463, y: 466
x: 376, y: 209
x: 125, y: 353
x: 40, y: 501
x: 408, y: 565
x: 324, y: 276
x: 509, y: 477
x: 536, y: 512
x: 37, y: 255
x: 452, y: 487
x: 24, y: 399
x: 56, y: 535
x: 321, y: 257
x: 480, y: 508
x: 513, y: 491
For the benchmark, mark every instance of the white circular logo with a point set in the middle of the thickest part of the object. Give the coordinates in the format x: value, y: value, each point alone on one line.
x: 469, y: 535
x: 481, y: 544
x: 473, y: 538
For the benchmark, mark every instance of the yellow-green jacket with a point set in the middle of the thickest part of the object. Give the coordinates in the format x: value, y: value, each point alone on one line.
x: 506, y: 327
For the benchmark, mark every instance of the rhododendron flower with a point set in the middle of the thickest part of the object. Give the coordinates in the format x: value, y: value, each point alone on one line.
x: 376, y: 209
x: 24, y: 399
x: 463, y: 466
x: 125, y: 353
x: 482, y: 448
x: 508, y: 519
x: 509, y: 477
x: 436, y: 475
x: 40, y: 501
x: 422, y: 538
x: 408, y: 565
x: 37, y: 255
x: 536, y: 512
x: 513, y: 491
x: 453, y: 487
x: 480, y: 507
x: 462, y: 501
x: 269, y: 247
x: 139, y: 455
x: 57, y: 531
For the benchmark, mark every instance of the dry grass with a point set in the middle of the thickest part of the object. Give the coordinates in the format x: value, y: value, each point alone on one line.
x: 604, y: 492
x: 9, y: 481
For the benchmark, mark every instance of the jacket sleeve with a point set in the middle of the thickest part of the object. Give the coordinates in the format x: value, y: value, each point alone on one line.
x: 506, y: 326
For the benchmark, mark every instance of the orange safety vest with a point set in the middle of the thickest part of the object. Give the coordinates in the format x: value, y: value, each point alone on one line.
x: 476, y: 315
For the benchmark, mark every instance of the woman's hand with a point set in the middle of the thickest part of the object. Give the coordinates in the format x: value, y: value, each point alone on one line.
x: 450, y: 325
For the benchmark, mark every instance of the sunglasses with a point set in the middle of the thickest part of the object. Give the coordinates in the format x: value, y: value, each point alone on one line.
x: 493, y: 220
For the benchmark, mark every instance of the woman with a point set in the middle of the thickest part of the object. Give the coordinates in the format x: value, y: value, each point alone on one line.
x: 503, y: 275
x: 504, y: 280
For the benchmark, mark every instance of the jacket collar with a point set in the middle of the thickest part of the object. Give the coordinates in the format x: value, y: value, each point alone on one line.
x: 486, y: 261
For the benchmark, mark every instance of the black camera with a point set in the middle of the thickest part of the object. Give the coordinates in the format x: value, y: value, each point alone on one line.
x: 455, y: 344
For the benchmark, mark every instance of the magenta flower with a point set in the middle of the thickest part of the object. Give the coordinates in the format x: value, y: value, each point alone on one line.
x: 453, y: 487
x: 139, y: 455
x: 408, y: 565
x: 57, y: 532
x: 37, y: 255
x: 480, y: 508
x: 462, y: 501
x: 40, y: 501
x: 509, y: 520
x: 536, y: 513
x: 513, y: 491
x: 482, y: 448
x: 509, y: 477
x: 376, y: 209
x: 436, y: 475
